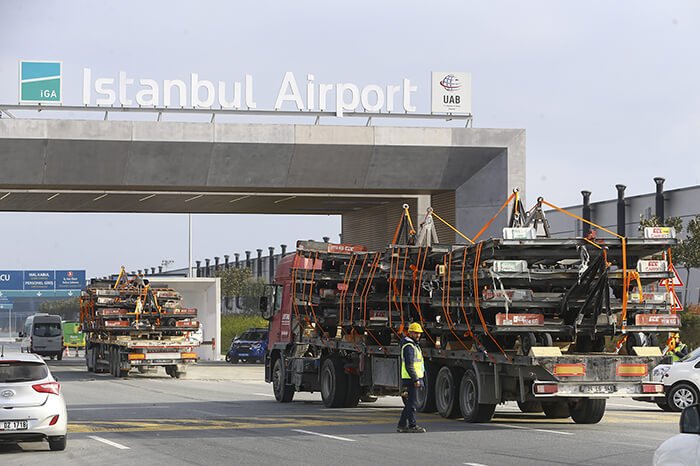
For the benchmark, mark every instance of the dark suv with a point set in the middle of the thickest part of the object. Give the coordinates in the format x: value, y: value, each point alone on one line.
x: 248, y: 347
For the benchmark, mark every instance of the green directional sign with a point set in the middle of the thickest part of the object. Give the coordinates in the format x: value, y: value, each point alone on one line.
x: 40, y: 82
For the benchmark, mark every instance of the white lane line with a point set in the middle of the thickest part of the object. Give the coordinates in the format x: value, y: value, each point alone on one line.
x: 109, y: 442
x: 474, y: 464
x: 323, y: 435
x: 264, y: 394
x: 532, y: 428
x: 121, y: 408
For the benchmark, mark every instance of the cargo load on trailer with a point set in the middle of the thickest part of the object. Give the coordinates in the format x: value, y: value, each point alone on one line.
x: 525, y: 317
x: 130, y: 324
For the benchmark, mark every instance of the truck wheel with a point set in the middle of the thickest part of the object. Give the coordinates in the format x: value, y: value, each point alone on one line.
x: 173, y: 372
x: 59, y: 356
x: 425, y: 398
x: 556, y: 409
x: 469, y: 405
x: 88, y: 360
x: 447, y: 393
x: 283, y: 392
x: 663, y: 405
x: 588, y: 411
x: 530, y: 406
x: 334, y: 386
x: 681, y: 396
x: 354, y: 391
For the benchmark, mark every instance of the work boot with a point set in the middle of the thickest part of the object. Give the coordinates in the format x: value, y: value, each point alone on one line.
x: 416, y: 430
x: 402, y: 429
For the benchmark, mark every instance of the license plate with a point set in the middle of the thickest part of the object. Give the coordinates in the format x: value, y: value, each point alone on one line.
x: 14, y: 425
x: 598, y: 388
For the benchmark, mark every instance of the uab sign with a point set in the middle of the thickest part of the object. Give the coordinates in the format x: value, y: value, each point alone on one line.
x: 40, y: 81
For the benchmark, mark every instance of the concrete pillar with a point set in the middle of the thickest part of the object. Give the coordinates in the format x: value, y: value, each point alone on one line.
x: 586, y: 212
x: 271, y: 272
x: 660, y: 198
x: 216, y: 263
x: 247, y: 259
x: 620, y: 209
x: 259, y: 263
x: 206, y: 267
x: 236, y: 260
x: 226, y: 264
x: 199, y: 269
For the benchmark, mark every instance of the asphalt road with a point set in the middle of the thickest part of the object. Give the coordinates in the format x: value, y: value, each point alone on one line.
x: 223, y: 414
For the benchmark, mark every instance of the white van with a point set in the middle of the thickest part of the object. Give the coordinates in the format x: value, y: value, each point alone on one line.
x: 43, y: 335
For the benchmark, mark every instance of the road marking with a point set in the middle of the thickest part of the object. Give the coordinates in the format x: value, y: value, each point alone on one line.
x: 109, y: 442
x: 474, y: 464
x: 323, y: 435
x: 120, y: 408
x: 264, y: 394
x: 532, y: 428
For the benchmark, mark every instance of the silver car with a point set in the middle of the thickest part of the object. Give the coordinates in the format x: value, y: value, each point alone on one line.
x: 32, y: 408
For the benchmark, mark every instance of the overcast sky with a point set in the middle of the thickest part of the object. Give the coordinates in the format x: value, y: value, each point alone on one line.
x: 606, y: 91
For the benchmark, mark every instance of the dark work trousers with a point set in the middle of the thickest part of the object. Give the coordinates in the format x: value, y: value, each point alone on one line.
x: 408, y: 415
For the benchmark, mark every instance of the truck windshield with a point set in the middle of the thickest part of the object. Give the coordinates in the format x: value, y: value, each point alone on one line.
x: 47, y: 330
x: 21, y: 371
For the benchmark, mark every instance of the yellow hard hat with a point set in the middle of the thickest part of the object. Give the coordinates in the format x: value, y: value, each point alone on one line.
x: 415, y: 327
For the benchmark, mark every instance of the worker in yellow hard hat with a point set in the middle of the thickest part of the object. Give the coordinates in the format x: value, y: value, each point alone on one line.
x: 412, y: 373
x: 678, y: 349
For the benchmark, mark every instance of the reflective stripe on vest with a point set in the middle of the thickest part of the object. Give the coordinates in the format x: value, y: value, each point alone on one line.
x: 674, y: 356
x: 417, y: 362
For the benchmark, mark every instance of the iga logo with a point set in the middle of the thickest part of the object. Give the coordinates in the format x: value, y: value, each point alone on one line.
x: 40, y: 82
x: 451, y: 83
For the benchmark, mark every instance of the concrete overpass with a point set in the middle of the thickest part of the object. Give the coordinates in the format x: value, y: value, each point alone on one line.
x: 362, y: 173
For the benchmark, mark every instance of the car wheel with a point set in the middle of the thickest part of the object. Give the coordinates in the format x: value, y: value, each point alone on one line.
x: 57, y: 443
x: 228, y: 358
x: 681, y: 396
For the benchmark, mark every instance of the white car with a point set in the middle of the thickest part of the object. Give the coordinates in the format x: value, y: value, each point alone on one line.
x: 681, y: 382
x: 682, y: 449
x: 32, y: 408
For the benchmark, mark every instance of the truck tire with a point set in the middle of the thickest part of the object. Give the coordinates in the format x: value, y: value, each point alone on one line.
x: 352, y: 399
x: 334, y: 387
x: 530, y: 406
x: 425, y: 398
x: 89, y: 362
x: 173, y: 372
x: 447, y: 392
x: 588, y: 411
x: 283, y: 392
x: 681, y: 396
x: 469, y: 405
x: 556, y: 409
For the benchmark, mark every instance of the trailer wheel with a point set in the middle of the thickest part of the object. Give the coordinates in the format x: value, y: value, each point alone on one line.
x: 354, y: 391
x: 588, y: 411
x: 447, y: 392
x: 556, y: 409
x: 469, y: 405
x: 334, y: 386
x: 283, y: 392
x: 425, y: 398
x: 530, y: 406
x: 173, y: 372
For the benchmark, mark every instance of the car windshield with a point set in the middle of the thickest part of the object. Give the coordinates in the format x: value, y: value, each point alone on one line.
x: 692, y: 356
x: 47, y: 330
x: 253, y: 336
x: 21, y: 371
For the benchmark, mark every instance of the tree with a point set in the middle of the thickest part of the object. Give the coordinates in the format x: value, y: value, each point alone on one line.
x: 239, y: 284
x: 68, y: 309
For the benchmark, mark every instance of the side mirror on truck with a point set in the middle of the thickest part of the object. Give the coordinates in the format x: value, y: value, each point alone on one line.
x: 264, y: 305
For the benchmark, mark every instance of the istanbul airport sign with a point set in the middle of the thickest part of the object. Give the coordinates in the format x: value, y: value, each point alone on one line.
x: 42, y: 82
